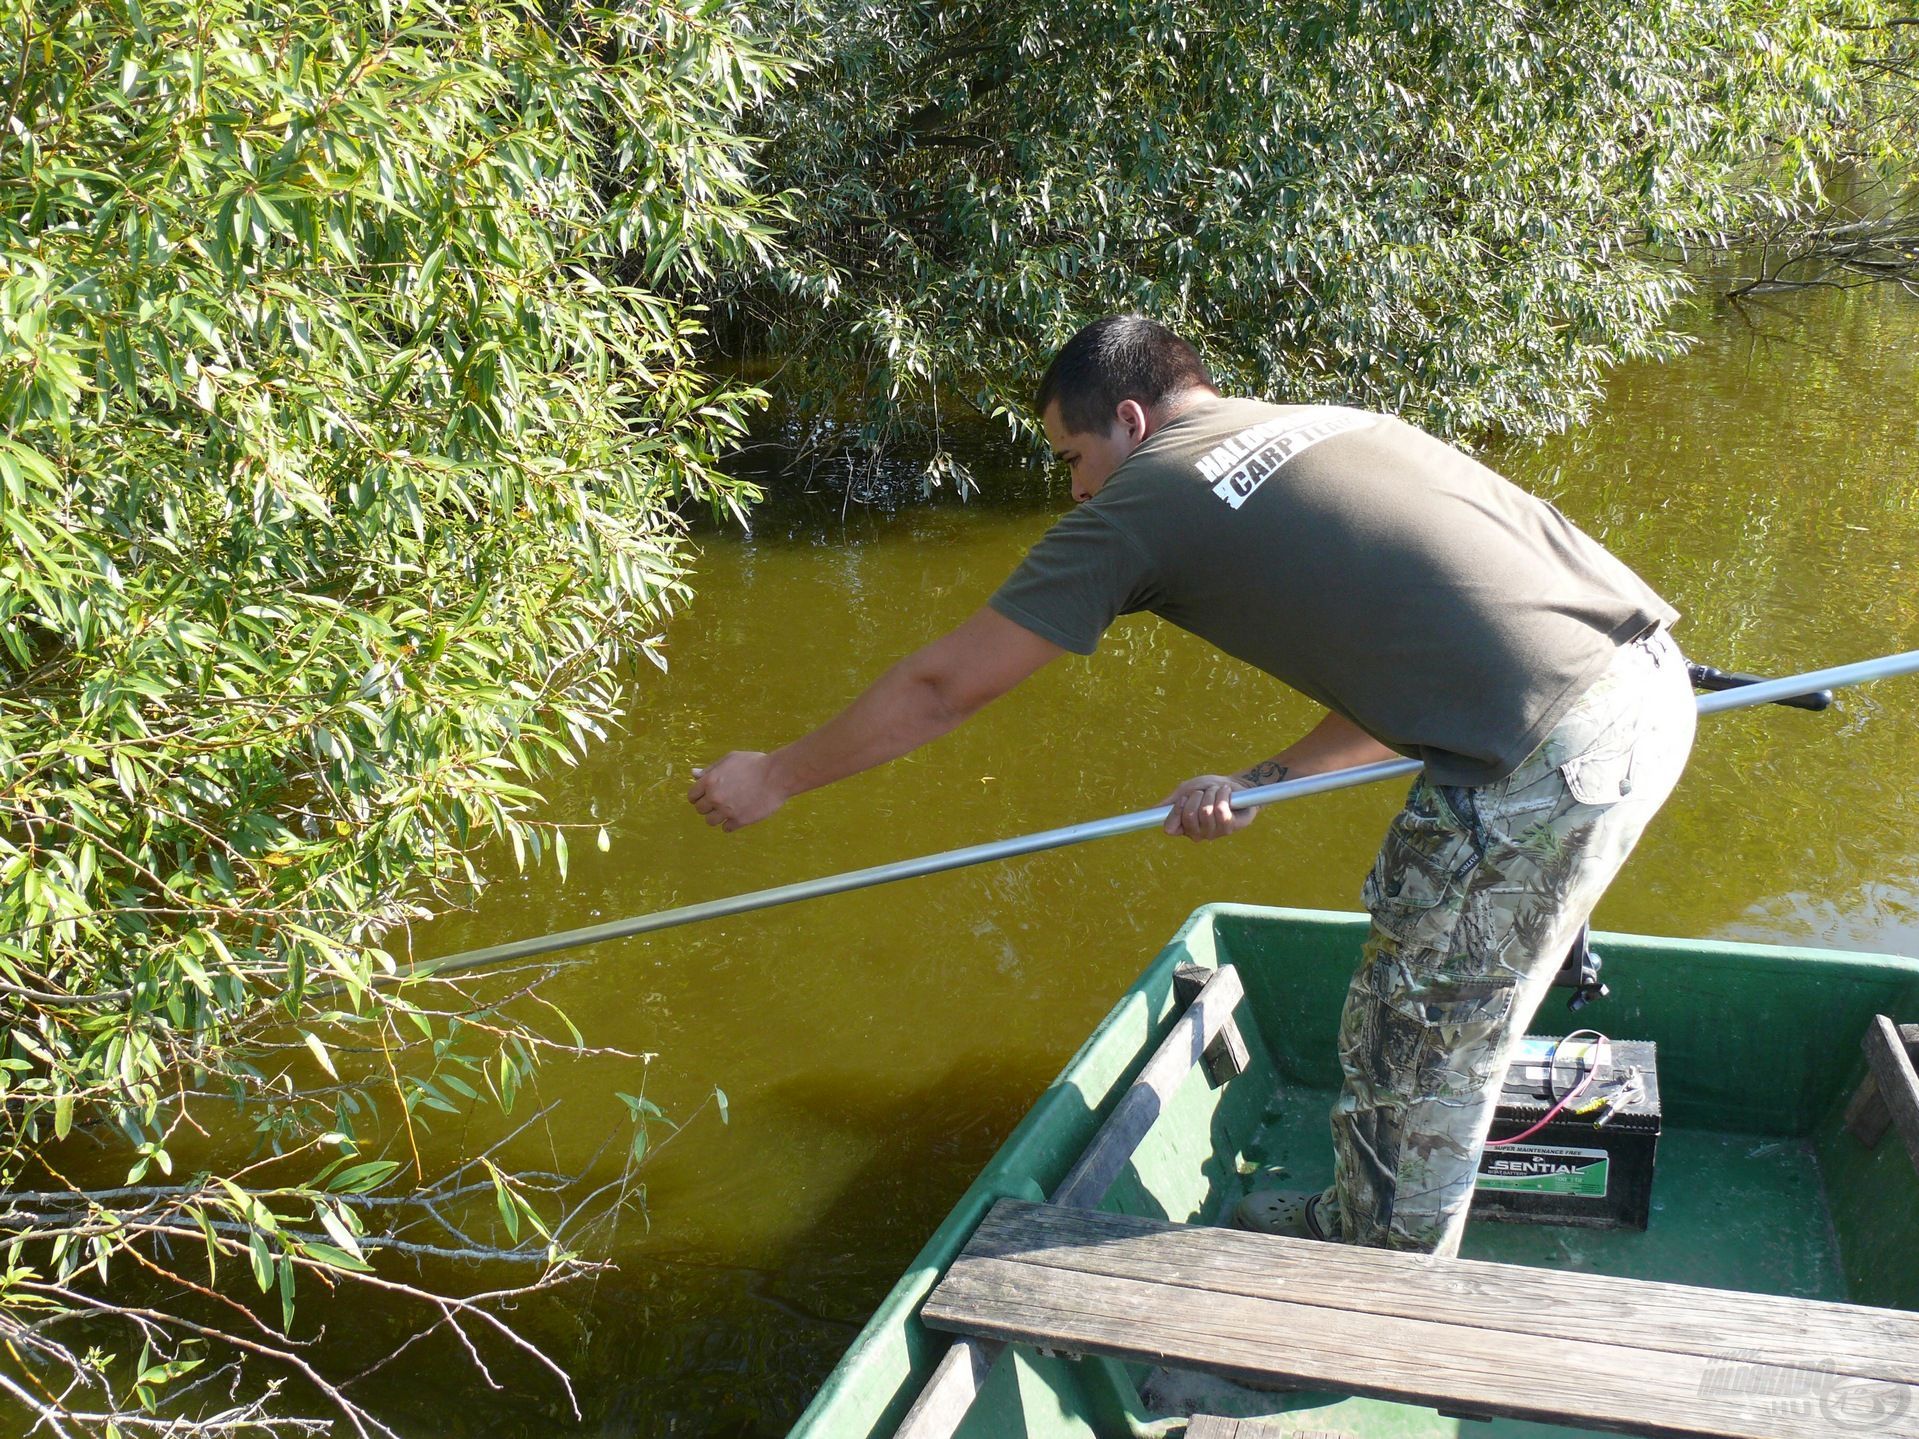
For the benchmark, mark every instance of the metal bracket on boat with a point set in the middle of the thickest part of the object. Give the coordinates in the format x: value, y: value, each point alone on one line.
x: 1580, y: 972
x: 1705, y: 677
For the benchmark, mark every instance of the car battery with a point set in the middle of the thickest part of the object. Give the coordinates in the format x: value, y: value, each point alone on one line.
x: 1592, y: 1164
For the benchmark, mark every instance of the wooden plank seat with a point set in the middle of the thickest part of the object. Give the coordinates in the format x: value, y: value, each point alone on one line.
x: 1464, y: 1336
x: 1213, y: 1426
x: 1204, y: 1034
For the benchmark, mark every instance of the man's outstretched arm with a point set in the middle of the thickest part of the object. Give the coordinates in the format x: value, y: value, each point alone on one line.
x: 917, y: 700
x: 1202, y: 807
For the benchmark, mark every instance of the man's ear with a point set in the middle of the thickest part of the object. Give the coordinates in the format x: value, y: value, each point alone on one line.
x: 1133, y: 419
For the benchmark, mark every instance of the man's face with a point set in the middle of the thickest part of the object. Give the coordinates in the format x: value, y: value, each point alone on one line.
x: 1091, y: 458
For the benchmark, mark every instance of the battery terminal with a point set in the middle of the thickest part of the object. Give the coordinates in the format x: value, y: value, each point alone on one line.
x: 1628, y: 1087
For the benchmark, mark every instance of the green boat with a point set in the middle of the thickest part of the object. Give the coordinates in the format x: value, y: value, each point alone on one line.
x: 1778, y: 1071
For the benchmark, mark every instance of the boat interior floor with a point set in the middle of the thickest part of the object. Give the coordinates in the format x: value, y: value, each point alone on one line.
x: 1729, y: 1211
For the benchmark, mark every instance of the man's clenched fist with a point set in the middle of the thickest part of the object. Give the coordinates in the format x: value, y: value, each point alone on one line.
x: 736, y: 790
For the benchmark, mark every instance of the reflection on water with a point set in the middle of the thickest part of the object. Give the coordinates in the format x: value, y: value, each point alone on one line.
x: 878, y: 1046
x: 1880, y: 917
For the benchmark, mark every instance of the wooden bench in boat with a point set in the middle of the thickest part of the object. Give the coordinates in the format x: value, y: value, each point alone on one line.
x: 1212, y: 1426
x: 1206, y: 1035
x: 1464, y: 1336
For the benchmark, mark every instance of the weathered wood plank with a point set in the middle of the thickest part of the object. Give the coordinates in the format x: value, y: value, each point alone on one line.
x: 962, y: 1370
x: 1867, y: 1118
x: 1212, y: 1426
x: 955, y: 1384
x: 1897, y: 1080
x: 1720, y: 1324
x: 1226, y: 1057
x: 1599, y: 1384
x: 1113, y: 1146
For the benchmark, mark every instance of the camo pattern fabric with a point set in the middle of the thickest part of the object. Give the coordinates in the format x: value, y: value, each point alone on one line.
x: 1475, y: 897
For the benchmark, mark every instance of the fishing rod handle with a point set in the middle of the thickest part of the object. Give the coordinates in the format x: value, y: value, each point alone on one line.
x: 1705, y: 677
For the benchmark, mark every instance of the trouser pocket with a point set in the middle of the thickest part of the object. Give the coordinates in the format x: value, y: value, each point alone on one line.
x: 1601, y: 773
x: 1439, y: 1036
x: 1416, y: 889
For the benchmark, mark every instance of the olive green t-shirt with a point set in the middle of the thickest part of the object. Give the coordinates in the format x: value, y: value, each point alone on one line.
x: 1383, y: 573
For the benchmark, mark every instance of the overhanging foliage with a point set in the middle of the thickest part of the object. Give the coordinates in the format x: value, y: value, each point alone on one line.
x: 337, y: 487
x: 1453, y: 210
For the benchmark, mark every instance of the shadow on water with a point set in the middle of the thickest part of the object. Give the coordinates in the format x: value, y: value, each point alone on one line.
x: 808, y: 495
x: 795, y: 1312
x: 696, y: 1340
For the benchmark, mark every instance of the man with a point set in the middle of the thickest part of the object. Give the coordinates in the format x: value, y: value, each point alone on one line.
x: 1436, y: 611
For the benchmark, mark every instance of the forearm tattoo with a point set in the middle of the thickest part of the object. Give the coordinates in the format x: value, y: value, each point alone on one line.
x: 1267, y: 771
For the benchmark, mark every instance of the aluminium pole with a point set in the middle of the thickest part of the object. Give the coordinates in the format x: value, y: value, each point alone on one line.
x: 1744, y: 697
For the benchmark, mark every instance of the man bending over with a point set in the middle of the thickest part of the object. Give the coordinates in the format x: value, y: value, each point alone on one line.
x: 1436, y: 611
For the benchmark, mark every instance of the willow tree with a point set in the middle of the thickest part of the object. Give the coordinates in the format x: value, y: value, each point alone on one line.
x: 1866, y: 229
x: 1460, y: 211
x: 348, y: 401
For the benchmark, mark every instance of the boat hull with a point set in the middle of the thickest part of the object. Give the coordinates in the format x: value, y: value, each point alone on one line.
x: 1759, y: 1187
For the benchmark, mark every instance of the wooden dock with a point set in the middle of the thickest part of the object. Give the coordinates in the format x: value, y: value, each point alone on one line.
x: 1464, y: 1336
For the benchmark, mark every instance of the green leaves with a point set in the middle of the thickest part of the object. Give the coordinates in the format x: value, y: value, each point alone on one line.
x: 153, y: 1375
x: 514, y: 1206
x: 1449, y: 210
x: 376, y: 488
x: 349, y: 404
x: 363, y: 1178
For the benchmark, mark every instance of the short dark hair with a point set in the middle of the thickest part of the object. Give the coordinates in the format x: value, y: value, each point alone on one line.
x: 1121, y: 357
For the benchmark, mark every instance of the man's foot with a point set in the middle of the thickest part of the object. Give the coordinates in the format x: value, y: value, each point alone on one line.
x: 1291, y: 1213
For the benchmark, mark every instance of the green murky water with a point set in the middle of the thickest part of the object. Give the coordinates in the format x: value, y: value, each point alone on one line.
x: 877, y: 1047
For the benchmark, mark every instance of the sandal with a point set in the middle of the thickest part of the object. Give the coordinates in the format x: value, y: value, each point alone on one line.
x: 1290, y: 1213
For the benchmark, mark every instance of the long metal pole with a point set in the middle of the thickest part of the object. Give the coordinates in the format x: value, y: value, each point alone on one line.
x: 1766, y: 692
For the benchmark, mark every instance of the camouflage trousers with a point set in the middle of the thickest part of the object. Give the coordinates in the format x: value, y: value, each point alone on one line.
x: 1475, y: 897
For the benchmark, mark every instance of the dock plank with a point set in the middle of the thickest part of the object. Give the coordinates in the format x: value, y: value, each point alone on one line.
x: 1157, y: 1293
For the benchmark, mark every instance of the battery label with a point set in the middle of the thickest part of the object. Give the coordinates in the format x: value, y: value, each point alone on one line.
x: 1541, y: 1169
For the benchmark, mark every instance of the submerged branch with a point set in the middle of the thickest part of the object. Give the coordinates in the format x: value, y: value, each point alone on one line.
x: 1840, y: 255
